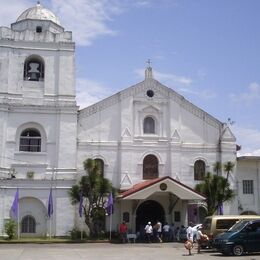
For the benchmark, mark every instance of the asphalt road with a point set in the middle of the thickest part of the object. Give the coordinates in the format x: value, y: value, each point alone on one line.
x: 100, y: 251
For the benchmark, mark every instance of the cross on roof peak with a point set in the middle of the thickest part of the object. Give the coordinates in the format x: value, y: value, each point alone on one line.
x: 149, y: 62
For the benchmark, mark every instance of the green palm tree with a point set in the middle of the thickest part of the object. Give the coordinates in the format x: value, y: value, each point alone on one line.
x: 228, y: 168
x: 217, y: 167
x: 95, y: 190
x: 216, y: 190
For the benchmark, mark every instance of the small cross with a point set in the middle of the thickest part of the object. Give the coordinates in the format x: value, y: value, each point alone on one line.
x: 149, y: 63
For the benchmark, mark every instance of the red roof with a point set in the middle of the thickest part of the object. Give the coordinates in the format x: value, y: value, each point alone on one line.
x: 145, y: 184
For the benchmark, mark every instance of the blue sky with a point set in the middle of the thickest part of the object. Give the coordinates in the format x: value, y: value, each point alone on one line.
x: 206, y: 50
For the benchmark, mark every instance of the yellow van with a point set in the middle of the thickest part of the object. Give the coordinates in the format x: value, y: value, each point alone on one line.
x: 217, y: 224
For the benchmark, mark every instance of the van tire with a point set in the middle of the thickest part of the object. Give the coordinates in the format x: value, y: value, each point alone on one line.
x: 238, y: 250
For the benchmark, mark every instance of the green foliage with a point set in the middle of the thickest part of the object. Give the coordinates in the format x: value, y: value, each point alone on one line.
x: 217, y: 167
x: 216, y: 189
x: 75, y: 234
x: 10, y: 229
x: 228, y: 168
x: 95, y: 190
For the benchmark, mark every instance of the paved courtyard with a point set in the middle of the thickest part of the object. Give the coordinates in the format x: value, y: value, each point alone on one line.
x: 102, y: 251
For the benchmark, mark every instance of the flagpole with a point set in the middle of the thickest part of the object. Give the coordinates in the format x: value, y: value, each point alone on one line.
x: 18, y: 224
x: 110, y: 226
x: 50, y: 202
x: 81, y: 231
x: 109, y: 209
x: 50, y: 228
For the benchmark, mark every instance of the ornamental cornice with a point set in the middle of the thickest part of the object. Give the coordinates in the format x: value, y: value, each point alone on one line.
x: 48, y: 108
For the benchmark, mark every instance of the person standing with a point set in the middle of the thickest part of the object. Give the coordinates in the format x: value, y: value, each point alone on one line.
x: 190, y: 235
x: 148, y: 231
x: 123, y: 232
x: 200, y: 238
x: 158, y: 228
x: 166, y: 232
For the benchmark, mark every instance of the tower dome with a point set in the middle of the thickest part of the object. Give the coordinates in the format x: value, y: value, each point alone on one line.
x: 38, y: 12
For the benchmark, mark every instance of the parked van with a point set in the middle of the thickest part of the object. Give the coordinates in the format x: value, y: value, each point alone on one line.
x: 217, y: 224
x: 243, y: 237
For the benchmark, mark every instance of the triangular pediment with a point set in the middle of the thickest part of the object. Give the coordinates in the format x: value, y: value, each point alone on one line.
x: 175, y: 136
x: 150, y: 109
x: 227, y: 136
x: 126, y: 181
x: 126, y: 133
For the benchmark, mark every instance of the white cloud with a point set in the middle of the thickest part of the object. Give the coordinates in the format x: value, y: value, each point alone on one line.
x: 11, y: 9
x: 143, y: 3
x: 172, y: 77
x: 90, y: 92
x: 252, y: 94
x: 249, y: 139
x: 180, y: 83
x: 166, y: 78
x: 86, y: 18
x: 204, y: 93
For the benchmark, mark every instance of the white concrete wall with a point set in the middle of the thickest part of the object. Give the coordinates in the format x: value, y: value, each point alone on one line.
x: 112, y: 130
x: 248, y: 169
x: 33, y: 200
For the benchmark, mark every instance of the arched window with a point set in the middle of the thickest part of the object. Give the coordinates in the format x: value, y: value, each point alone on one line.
x: 199, y: 170
x: 30, y: 140
x: 28, y: 225
x: 149, y: 125
x: 100, y: 165
x: 34, y: 69
x: 150, y: 167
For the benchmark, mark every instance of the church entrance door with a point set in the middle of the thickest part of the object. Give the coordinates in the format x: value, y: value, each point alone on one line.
x: 149, y: 210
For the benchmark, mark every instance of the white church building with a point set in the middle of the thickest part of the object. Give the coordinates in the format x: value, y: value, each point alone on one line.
x: 152, y: 143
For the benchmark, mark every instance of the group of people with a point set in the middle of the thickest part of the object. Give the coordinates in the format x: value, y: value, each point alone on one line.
x: 153, y: 232
x: 200, y: 237
x: 166, y: 233
x: 161, y: 233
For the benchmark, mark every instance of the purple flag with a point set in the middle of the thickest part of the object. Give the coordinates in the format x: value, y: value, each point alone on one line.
x: 80, y: 204
x: 50, y: 204
x: 109, y: 207
x: 15, y: 205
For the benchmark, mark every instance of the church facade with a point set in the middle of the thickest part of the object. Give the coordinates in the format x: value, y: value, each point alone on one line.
x: 152, y: 143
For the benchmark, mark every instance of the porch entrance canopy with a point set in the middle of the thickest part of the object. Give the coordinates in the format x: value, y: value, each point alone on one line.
x: 145, y: 189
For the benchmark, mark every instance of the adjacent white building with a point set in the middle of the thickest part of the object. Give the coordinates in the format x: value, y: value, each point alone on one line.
x: 152, y: 143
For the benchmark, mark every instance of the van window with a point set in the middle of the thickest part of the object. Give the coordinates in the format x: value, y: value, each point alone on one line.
x: 225, y: 223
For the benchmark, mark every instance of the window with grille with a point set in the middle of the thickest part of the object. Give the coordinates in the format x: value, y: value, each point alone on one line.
x: 28, y: 225
x: 248, y: 187
x: 30, y: 141
x: 149, y: 125
x: 150, y: 167
x: 199, y: 170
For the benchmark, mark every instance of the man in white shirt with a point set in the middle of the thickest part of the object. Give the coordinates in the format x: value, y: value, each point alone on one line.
x: 166, y: 232
x: 148, y: 231
x: 190, y: 232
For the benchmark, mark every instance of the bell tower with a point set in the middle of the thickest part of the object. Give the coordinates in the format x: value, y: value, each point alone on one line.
x: 37, y: 60
x: 37, y: 95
